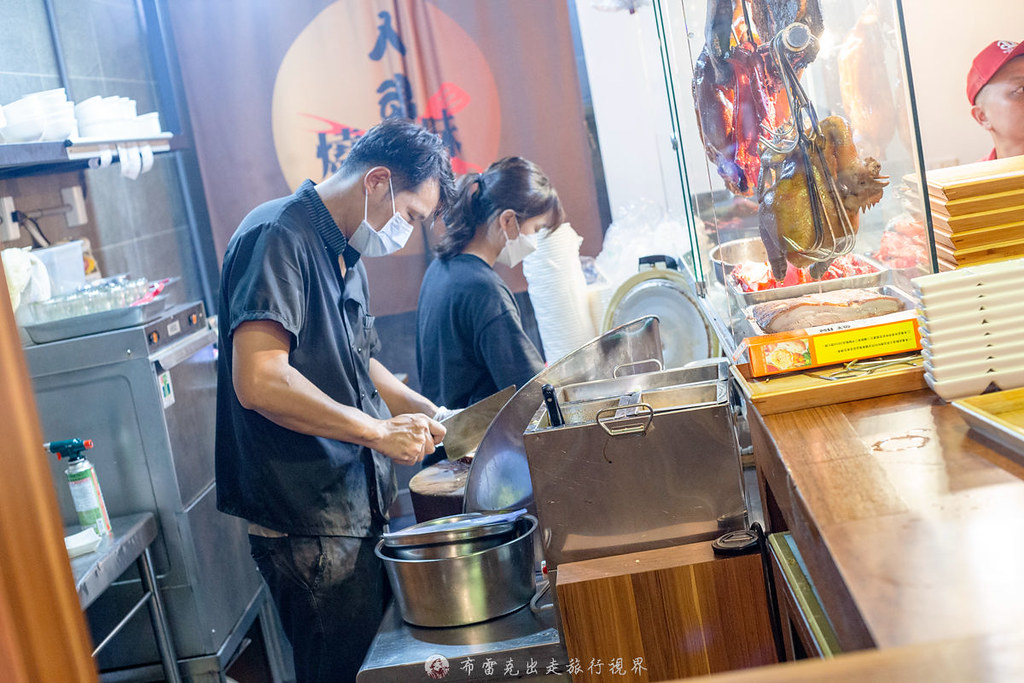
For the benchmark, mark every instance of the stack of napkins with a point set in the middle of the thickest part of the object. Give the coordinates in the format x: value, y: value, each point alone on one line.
x: 972, y: 328
x: 978, y: 212
x: 85, y: 541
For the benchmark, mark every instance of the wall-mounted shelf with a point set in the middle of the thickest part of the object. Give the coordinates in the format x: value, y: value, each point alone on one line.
x: 33, y: 158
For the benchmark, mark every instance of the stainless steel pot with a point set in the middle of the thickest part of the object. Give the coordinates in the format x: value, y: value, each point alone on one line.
x: 727, y: 255
x: 465, y: 589
x: 450, y: 536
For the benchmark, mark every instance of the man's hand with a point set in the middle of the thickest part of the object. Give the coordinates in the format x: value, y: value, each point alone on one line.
x: 408, y: 438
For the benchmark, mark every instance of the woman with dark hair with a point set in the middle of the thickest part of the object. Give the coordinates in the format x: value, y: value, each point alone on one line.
x: 470, y: 340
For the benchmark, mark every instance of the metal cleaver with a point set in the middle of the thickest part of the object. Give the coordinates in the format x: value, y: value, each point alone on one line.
x: 467, y: 427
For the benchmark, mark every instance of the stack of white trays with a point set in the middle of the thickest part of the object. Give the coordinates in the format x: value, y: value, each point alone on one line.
x: 972, y: 328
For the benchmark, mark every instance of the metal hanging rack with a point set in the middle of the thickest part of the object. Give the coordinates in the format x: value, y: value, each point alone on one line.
x: 803, y: 132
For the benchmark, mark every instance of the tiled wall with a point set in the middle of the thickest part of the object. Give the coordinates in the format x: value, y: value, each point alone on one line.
x: 134, y: 226
x: 27, y: 63
x: 105, y: 50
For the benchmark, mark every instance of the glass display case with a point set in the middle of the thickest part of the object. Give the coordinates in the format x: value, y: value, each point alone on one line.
x: 798, y: 153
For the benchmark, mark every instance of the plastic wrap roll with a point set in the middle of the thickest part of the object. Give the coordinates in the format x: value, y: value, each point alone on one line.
x: 558, y: 292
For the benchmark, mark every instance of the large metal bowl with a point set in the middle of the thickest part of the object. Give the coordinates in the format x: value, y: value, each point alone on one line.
x: 725, y: 256
x: 455, y: 591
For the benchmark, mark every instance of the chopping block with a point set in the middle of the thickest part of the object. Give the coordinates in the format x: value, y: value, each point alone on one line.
x: 439, y: 490
x: 680, y: 611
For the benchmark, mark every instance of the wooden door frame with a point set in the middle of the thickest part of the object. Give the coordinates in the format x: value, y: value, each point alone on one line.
x: 43, y: 634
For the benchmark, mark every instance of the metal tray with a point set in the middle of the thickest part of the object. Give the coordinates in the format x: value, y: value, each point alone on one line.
x: 680, y: 397
x: 909, y: 303
x: 882, y: 277
x: 999, y: 416
x: 81, y: 325
x: 699, y: 371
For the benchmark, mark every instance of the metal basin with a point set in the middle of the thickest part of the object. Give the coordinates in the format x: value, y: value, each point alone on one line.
x: 449, y: 537
x: 727, y: 255
x: 454, y: 591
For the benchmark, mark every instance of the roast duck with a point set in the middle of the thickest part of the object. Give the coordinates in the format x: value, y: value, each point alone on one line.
x: 761, y: 133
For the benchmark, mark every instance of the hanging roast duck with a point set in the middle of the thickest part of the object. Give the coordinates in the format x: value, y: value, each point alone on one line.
x: 736, y: 89
x: 757, y: 123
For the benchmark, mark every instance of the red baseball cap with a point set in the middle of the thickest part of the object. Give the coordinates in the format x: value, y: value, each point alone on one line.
x: 988, y: 62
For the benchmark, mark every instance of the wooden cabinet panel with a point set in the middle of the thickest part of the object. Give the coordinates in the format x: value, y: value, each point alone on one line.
x: 681, y: 611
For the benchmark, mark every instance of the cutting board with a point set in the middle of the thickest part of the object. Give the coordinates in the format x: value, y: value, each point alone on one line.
x: 983, y: 177
x: 795, y: 391
x: 978, y: 203
x: 985, y: 254
x: 984, y: 219
x: 981, y: 237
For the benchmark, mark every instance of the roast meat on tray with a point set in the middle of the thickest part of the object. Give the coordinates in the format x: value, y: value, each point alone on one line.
x: 824, y: 308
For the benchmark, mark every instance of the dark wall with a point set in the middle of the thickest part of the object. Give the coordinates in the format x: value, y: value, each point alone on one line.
x: 230, y: 52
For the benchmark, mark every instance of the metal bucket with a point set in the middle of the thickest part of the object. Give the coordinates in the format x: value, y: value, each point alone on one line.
x: 450, y: 536
x: 455, y: 591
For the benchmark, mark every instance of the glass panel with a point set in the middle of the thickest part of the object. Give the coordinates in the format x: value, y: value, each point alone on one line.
x: 758, y: 219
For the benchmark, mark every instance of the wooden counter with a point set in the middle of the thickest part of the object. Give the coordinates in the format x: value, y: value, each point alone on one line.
x: 909, y: 523
x: 980, y: 658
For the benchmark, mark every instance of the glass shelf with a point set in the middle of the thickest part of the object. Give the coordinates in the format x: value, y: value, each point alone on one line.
x: 855, y: 75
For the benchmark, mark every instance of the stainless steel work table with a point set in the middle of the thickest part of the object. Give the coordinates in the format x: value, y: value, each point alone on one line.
x: 528, y: 643
x: 128, y: 541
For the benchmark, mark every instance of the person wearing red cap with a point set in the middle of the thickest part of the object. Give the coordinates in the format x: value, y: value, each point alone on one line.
x: 995, y: 89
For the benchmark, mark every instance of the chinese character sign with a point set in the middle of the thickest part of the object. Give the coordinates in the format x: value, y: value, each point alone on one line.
x: 381, y: 67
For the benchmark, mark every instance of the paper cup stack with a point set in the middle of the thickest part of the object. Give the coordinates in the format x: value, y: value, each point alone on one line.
x: 558, y: 292
x: 972, y: 328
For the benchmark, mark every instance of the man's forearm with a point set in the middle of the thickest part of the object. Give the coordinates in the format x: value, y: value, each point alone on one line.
x: 288, y: 399
x: 399, y: 398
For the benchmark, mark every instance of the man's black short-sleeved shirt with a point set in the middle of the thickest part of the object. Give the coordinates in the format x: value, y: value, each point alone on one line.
x: 470, y: 340
x: 282, y: 265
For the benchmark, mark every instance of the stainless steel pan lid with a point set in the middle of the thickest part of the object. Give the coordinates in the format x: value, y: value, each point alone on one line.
x: 454, y: 529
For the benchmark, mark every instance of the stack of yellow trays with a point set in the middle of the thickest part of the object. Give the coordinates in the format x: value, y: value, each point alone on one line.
x: 978, y: 212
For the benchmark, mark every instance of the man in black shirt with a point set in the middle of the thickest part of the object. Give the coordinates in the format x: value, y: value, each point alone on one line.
x: 308, y: 421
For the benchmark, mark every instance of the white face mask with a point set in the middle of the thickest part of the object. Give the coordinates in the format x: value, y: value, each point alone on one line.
x: 516, y: 250
x: 388, y: 239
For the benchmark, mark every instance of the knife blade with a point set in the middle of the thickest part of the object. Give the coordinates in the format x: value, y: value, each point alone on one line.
x: 467, y: 427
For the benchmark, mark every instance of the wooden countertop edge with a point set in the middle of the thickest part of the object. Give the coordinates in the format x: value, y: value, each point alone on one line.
x: 809, y: 487
x: 990, y: 658
x: 851, y: 629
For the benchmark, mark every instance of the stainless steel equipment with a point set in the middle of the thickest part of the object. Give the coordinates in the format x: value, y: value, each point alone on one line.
x: 500, y: 478
x: 644, y: 463
x: 661, y: 289
x: 467, y: 427
x: 526, y: 640
x: 146, y: 395
x: 465, y: 589
x: 450, y: 536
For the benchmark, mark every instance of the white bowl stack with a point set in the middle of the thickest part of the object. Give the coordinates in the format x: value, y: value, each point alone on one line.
x: 46, y: 115
x: 558, y: 292
x: 115, y: 117
x: 972, y: 328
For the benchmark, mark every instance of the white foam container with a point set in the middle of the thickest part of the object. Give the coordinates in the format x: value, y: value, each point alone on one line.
x: 1005, y: 341
x: 969, y: 301
x: 976, y: 366
x: 1011, y: 313
x: 962, y: 387
x: 1003, y: 272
